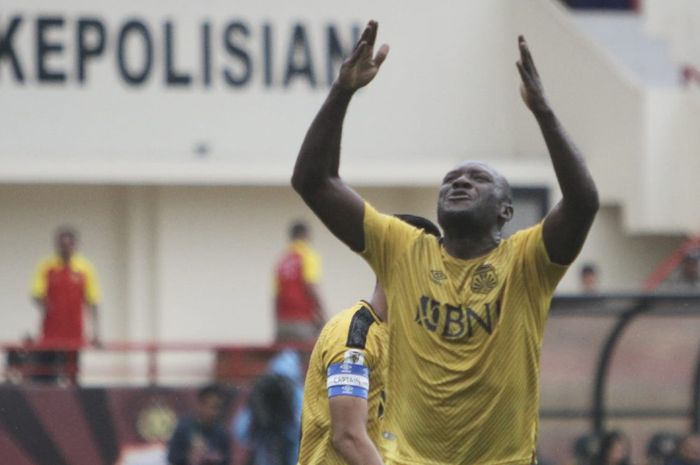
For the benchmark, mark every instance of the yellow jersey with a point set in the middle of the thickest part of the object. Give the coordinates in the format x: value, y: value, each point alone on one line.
x: 464, y: 344
x: 354, y: 339
x: 78, y: 264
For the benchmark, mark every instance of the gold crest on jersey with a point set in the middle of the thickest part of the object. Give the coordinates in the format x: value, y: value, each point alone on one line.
x: 484, y: 279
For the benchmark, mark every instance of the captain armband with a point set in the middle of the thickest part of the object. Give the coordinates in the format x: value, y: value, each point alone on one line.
x: 349, y: 378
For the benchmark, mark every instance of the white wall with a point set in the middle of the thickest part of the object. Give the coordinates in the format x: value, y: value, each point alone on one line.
x: 447, y: 80
x: 676, y: 21
x: 673, y: 160
x: 624, y: 260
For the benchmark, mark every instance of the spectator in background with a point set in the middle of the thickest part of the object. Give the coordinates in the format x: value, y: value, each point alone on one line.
x: 64, y: 286
x: 690, y: 272
x: 614, y: 450
x: 269, y: 426
x: 297, y: 304
x: 589, y: 279
x: 688, y: 451
x: 661, y: 448
x: 586, y: 449
x: 202, y: 439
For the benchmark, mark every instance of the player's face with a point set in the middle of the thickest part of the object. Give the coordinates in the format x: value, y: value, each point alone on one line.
x: 590, y: 281
x: 473, y: 190
x: 209, y: 409
x: 65, y: 245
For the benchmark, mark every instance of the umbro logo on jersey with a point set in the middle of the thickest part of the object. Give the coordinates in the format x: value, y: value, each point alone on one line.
x: 437, y: 276
x: 484, y: 279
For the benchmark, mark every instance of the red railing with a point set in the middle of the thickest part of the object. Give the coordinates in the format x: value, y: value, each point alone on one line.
x: 234, y: 363
x: 671, y: 263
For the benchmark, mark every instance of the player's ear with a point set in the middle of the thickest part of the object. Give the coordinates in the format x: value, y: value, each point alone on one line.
x: 506, y: 213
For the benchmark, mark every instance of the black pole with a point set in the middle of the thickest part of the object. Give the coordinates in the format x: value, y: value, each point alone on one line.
x: 598, y: 410
x: 695, y: 412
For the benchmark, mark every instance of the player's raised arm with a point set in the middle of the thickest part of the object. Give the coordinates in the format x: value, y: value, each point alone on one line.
x: 316, y: 176
x: 566, y: 226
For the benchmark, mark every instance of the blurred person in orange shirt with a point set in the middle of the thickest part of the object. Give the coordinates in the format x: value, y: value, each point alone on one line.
x: 298, y: 307
x: 63, y: 287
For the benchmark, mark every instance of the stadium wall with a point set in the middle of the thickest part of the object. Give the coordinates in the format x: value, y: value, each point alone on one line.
x: 240, y: 118
x: 180, y: 188
x: 194, y: 263
x: 677, y: 22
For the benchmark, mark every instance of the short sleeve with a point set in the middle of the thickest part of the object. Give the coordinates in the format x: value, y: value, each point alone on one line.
x: 311, y: 266
x: 386, y: 238
x: 338, y: 352
x: 348, y: 358
x: 541, y: 274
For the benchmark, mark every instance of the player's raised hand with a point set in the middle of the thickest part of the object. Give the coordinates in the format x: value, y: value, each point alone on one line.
x: 531, y: 88
x: 362, y: 65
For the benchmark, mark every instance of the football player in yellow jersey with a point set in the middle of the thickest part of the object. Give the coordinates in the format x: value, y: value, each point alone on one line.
x: 343, y: 391
x: 465, y: 314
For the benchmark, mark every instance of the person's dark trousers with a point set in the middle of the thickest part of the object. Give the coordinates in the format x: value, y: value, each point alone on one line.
x: 52, y: 367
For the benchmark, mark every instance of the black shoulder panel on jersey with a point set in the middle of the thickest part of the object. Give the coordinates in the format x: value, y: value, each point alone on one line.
x: 359, y: 327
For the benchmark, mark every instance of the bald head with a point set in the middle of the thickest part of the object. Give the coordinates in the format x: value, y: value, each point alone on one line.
x: 474, y: 195
x: 499, y: 180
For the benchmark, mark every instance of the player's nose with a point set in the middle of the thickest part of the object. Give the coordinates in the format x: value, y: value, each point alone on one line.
x: 462, y: 181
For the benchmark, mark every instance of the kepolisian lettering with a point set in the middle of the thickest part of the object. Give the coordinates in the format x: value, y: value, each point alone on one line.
x: 232, y: 53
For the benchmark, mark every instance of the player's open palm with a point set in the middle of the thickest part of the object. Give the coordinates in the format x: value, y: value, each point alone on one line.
x: 362, y: 65
x: 531, y: 88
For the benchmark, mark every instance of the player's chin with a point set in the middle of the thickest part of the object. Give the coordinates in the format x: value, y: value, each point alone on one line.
x: 454, y: 214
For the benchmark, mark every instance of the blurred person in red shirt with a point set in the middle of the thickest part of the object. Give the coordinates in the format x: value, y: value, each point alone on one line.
x: 298, y: 307
x: 63, y: 287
